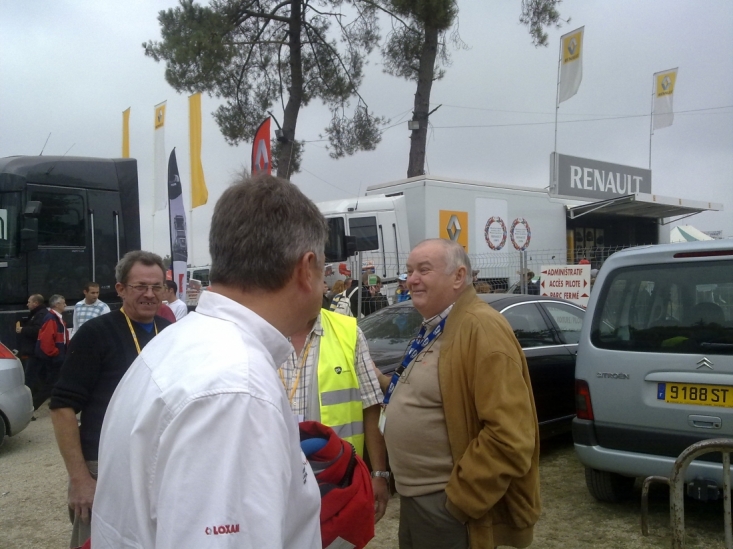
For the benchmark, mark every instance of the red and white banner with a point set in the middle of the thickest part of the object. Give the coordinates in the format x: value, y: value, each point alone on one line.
x: 261, y: 154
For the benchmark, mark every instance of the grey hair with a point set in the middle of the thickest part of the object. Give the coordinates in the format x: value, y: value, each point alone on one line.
x: 55, y: 299
x: 124, y: 265
x: 455, y: 256
x: 260, y: 229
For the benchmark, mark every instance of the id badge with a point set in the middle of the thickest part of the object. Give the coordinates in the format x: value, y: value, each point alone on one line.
x: 382, y: 419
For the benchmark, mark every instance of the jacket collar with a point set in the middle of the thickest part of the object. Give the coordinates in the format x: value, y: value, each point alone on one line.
x: 459, y: 307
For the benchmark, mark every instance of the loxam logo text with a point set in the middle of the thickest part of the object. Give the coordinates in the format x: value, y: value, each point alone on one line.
x: 223, y: 529
x: 608, y: 375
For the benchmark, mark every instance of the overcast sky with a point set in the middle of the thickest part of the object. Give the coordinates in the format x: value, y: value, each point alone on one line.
x: 70, y: 67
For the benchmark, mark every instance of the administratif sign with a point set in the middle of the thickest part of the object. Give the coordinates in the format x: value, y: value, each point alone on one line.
x: 582, y: 178
x: 570, y: 282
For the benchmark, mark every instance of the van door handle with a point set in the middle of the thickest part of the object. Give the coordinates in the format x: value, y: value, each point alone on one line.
x: 704, y: 422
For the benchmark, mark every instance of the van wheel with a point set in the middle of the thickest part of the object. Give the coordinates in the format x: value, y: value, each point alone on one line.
x: 608, y: 487
x: 2, y: 430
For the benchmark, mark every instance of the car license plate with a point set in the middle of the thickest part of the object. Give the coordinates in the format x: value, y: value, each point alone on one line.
x: 701, y: 395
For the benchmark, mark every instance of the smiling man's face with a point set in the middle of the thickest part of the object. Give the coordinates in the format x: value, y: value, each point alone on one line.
x: 141, y: 306
x: 432, y: 288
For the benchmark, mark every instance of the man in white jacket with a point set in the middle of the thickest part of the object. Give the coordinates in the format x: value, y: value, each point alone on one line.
x: 199, y: 447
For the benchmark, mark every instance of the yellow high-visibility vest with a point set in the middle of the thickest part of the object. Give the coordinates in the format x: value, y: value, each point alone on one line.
x: 338, y: 384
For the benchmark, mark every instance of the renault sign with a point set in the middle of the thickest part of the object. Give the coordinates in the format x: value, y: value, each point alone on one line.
x: 582, y: 178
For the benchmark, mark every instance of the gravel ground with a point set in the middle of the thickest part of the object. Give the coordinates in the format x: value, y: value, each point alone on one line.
x: 33, y: 495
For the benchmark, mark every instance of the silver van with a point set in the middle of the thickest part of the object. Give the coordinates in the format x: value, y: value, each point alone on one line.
x: 654, y: 371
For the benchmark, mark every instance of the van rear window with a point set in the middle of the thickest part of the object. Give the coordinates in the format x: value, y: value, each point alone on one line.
x: 667, y: 308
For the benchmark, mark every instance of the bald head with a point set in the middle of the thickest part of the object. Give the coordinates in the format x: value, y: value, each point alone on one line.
x: 438, y: 272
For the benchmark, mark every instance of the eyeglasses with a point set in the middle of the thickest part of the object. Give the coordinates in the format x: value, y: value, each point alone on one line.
x: 143, y: 288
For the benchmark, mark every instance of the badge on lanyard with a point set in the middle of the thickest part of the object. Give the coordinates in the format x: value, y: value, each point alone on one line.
x: 382, y: 419
x: 418, y: 345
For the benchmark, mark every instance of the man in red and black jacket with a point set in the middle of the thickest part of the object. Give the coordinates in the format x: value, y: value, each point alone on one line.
x: 53, y: 338
x: 27, y: 331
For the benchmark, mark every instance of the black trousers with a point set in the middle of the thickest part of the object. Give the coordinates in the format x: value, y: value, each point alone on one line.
x: 41, y: 377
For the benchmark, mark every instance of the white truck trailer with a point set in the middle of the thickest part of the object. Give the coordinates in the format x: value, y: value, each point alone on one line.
x: 492, y: 222
x: 500, y: 226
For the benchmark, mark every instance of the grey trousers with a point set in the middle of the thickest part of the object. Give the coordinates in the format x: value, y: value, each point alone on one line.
x: 425, y: 523
x: 81, y: 532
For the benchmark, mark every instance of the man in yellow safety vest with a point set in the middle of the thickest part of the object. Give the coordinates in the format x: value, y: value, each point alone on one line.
x: 331, y: 378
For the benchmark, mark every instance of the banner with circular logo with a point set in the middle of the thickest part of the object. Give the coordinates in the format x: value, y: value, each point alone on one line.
x: 495, y: 233
x: 520, y: 233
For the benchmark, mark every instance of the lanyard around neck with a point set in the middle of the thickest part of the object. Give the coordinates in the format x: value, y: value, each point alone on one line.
x: 132, y: 330
x: 299, y: 368
x: 418, y: 345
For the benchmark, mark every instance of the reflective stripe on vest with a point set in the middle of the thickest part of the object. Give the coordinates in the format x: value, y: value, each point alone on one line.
x: 338, y: 385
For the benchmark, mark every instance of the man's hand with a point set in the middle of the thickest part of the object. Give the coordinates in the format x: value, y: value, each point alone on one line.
x: 81, y: 496
x: 380, y: 486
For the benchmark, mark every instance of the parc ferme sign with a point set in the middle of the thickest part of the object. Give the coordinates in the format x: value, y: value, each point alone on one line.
x: 585, y: 179
x: 570, y: 282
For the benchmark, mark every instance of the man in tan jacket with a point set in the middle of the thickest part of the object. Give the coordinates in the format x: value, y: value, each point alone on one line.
x: 460, y: 422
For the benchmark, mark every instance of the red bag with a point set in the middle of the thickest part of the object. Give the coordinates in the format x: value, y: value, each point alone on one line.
x: 347, y: 500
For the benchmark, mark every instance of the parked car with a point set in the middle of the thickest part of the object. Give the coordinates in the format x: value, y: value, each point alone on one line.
x: 655, y: 365
x: 16, y: 404
x: 548, y: 330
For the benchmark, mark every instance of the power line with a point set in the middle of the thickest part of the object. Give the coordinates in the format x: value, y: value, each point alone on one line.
x: 550, y: 113
x: 326, y: 182
x: 691, y: 111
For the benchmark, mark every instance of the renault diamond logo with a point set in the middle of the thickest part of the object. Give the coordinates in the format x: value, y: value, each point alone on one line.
x: 572, y: 45
x: 666, y: 83
x: 704, y: 363
x: 454, y: 228
x: 338, y: 369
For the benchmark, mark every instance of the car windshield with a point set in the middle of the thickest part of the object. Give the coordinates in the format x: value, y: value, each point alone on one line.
x: 667, y: 309
x: 392, y: 326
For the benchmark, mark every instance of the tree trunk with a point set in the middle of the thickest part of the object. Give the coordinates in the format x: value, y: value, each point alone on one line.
x: 295, y: 93
x: 419, y: 137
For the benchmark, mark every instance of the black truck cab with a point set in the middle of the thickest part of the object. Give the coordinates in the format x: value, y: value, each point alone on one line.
x: 64, y: 221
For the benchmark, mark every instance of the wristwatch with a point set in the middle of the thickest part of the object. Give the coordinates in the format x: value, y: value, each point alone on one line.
x: 381, y: 474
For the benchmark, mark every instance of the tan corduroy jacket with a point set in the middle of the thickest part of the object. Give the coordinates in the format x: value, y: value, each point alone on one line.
x: 492, y: 426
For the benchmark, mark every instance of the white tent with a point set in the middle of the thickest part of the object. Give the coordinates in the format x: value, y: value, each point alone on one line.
x: 687, y: 233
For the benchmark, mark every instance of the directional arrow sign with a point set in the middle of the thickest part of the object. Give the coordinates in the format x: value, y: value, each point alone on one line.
x: 566, y: 282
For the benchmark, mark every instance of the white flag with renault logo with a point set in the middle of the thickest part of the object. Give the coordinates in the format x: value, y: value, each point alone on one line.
x: 160, y: 165
x: 571, y: 64
x: 663, y: 112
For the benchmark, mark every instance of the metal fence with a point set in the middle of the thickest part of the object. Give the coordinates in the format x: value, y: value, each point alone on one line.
x: 501, y: 270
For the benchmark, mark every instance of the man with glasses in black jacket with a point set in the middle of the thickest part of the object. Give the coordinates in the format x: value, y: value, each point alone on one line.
x: 98, y: 356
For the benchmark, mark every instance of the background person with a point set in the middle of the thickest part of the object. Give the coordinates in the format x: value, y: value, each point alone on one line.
x: 179, y: 308
x: 27, y: 331
x: 337, y: 288
x: 325, y: 301
x: 204, y: 401
x: 482, y: 287
x: 98, y: 357
x: 88, y: 308
x: 372, y: 299
x: 53, y: 338
x: 331, y: 358
x: 460, y: 424
x: 402, y: 293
